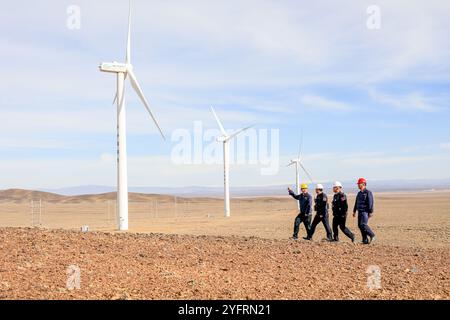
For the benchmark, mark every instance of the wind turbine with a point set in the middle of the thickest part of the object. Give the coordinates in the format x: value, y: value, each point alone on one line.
x: 123, y: 71
x: 298, y: 162
x: 225, y: 139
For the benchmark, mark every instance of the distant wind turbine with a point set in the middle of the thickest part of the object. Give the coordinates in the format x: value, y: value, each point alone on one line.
x: 123, y: 71
x: 298, y: 162
x: 225, y: 139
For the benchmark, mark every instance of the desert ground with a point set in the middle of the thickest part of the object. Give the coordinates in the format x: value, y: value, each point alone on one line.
x: 183, y: 248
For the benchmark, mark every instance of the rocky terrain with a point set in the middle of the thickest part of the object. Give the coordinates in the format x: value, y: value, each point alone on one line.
x: 34, y: 265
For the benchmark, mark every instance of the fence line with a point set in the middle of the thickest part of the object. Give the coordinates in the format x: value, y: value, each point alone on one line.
x: 102, y: 214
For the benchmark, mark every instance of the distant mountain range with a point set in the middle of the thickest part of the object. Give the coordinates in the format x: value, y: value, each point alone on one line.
x: 103, y: 193
x: 273, y: 190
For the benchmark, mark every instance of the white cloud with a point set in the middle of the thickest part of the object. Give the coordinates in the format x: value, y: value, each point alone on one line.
x: 258, y: 42
x: 103, y: 121
x: 391, y: 160
x: 30, y: 142
x: 445, y: 145
x: 413, y: 101
x: 321, y: 103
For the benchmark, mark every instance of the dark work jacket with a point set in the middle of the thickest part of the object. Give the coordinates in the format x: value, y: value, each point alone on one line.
x: 340, y: 204
x: 305, y: 202
x: 321, y: 204
x: 364, y: 202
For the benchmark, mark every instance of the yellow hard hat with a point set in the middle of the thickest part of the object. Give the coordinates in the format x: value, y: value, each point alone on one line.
x: 304, y: 186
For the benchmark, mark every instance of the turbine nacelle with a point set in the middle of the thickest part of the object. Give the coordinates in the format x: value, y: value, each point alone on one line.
x: 114, y: 67
x: 222, y: 139
x: 294, y: 161
x: 299, y: 164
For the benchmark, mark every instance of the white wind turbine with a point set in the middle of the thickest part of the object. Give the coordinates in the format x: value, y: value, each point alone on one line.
x: 123, y: 71
x: 298, y: 162
x: 225, y: 139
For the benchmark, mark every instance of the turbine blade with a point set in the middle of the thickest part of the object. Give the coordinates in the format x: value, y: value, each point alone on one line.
x: 123, y: 97
x: 139, y: 92
x: 290, y: 164
x: 128, y: 53
x: 300, y: 147
x: 234, y: 135
x: 218, y: 122
x: 307, y: 173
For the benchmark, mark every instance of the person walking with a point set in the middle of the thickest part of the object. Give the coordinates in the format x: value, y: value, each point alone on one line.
x: 340, y: 209
x: 321, y: 208
x: 304, y: 216
x: 364, y: 205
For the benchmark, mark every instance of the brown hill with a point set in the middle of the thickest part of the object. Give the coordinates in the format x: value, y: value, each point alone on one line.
x: 20, y: 195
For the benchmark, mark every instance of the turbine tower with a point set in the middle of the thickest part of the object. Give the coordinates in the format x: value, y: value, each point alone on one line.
x: 225, y: 139
x: 124, y: 71
x: 298, y: 162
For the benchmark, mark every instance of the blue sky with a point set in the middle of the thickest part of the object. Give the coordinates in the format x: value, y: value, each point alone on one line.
x: 373, y: 103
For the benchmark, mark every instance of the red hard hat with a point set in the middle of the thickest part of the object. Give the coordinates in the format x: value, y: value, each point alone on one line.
x: 362, y: 180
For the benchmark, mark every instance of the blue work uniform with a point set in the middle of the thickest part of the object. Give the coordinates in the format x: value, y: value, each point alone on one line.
x: 305, y: 214
x: 364, y: 204
x: 340, y: 208
x: 321, y: 208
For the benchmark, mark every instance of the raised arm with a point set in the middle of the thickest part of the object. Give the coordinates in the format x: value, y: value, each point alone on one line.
x: 293, y: 195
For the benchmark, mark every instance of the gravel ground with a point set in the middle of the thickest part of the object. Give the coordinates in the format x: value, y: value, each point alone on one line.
x: 34, y: 263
